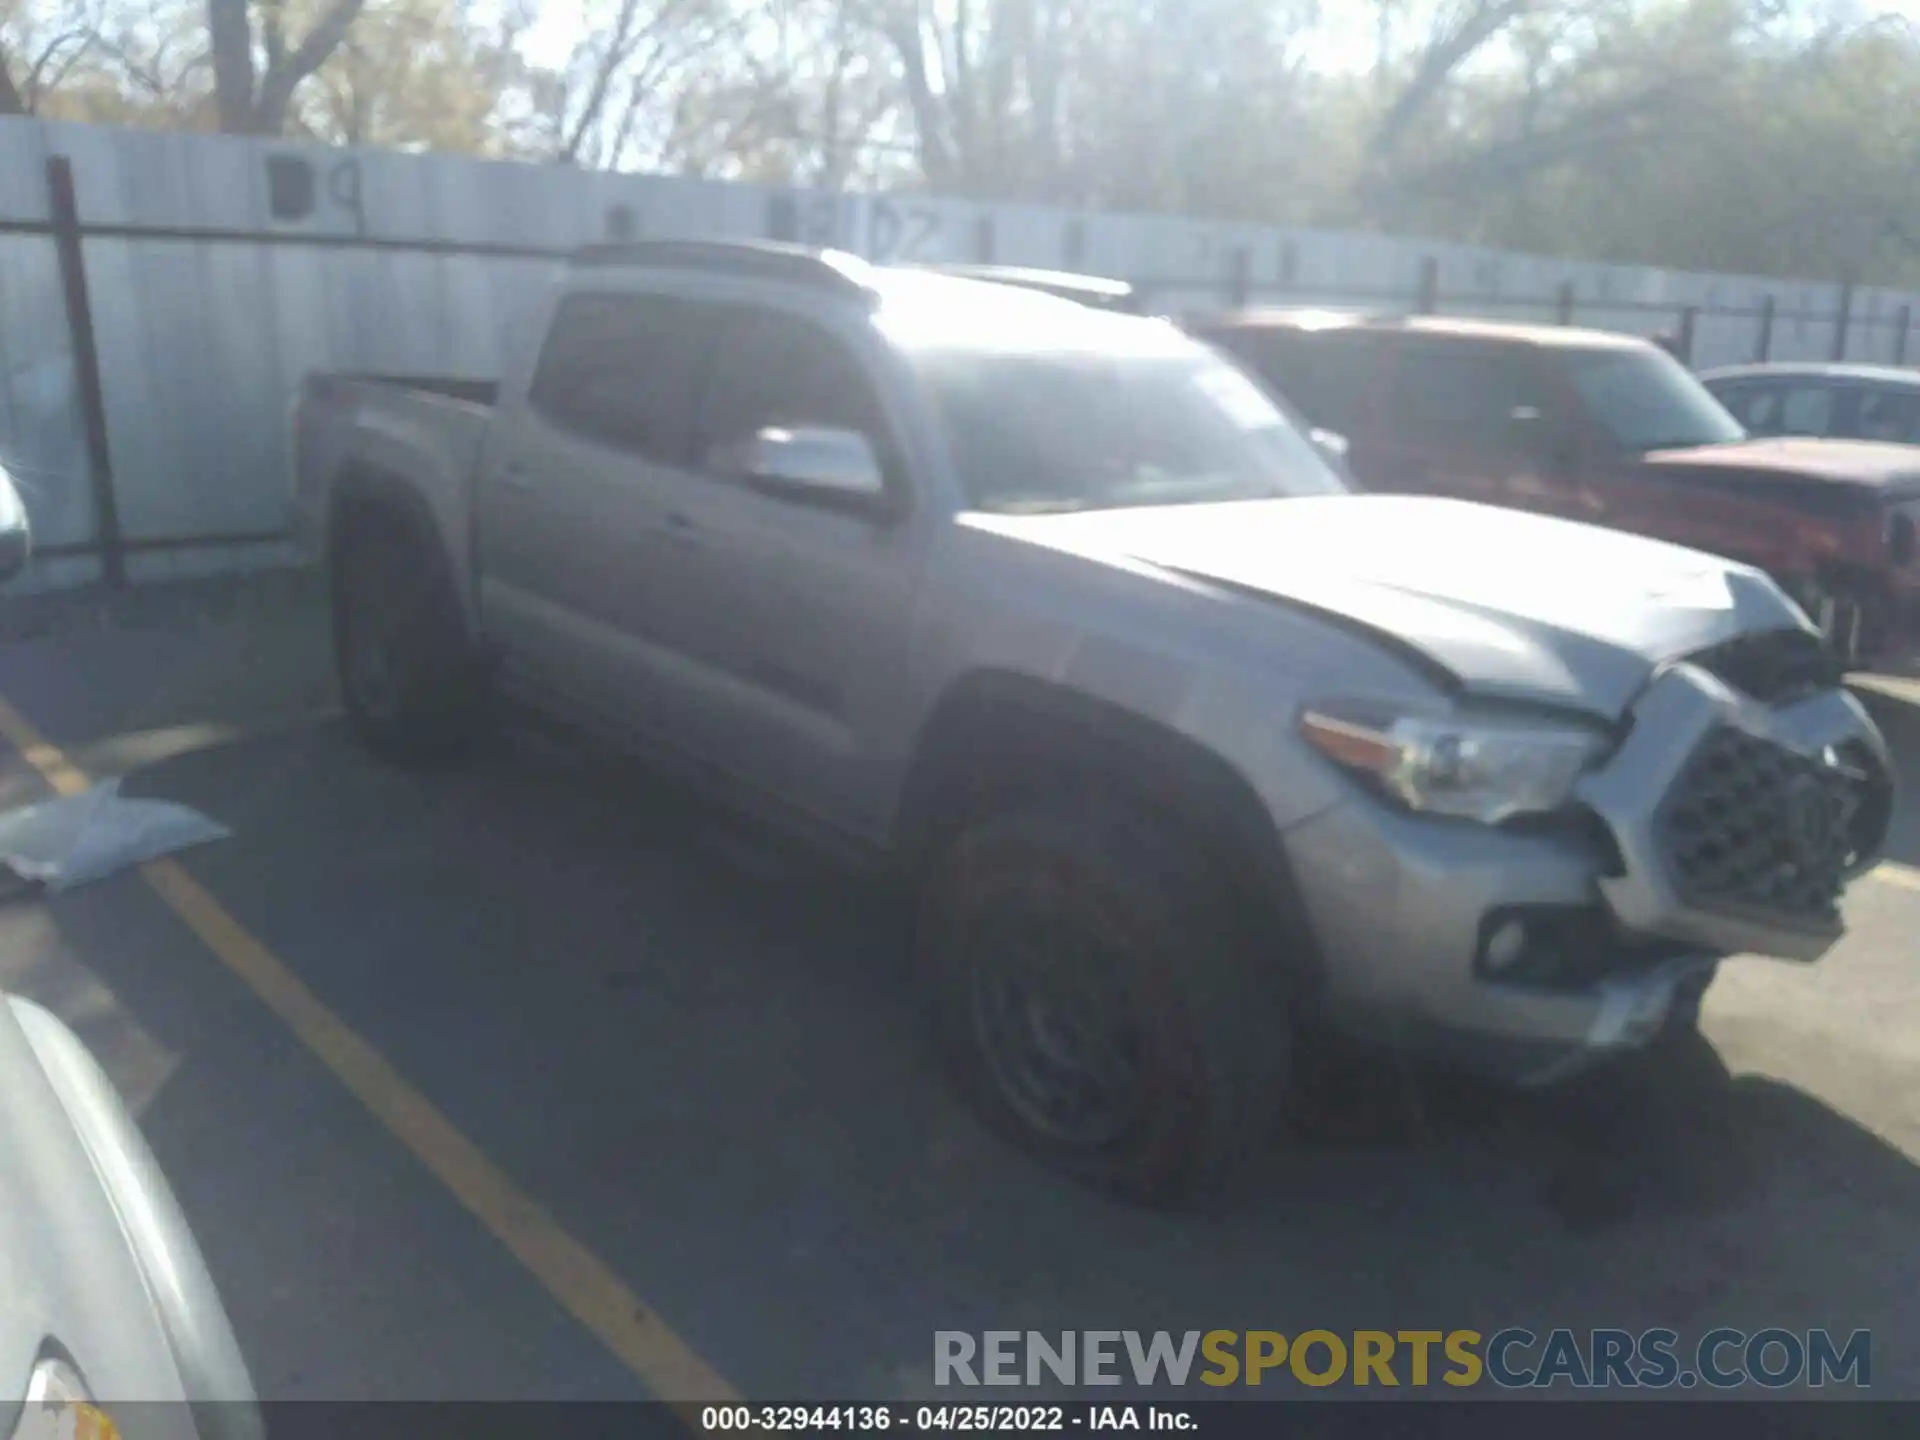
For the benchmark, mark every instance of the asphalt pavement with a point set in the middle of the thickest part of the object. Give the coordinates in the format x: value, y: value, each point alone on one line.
x: 536, y: 1079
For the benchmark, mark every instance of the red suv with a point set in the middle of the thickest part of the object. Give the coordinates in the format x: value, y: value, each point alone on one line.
x: 1609, y: 429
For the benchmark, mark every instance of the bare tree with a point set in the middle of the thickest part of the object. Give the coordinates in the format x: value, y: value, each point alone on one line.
x: 251, y: 98
x: 417, y: 72
x: 622, y: 79
x: 35, y: 59
x: 1460, y: 30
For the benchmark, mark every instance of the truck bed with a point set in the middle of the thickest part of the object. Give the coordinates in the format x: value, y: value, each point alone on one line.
x: 428, y: 429
x: 450, y: 387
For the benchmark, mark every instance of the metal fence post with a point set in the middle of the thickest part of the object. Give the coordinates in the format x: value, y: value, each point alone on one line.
x: 86, y: 370
x: 1844, y: 320
x: 1239, y: 276
x: 1901, y: 326
x: 1073, y: 244
x: 984, y: 239
x: 1563, y: 303
x: 1763, y: 347
x: 1427, y: 301
x: 1683, y: 339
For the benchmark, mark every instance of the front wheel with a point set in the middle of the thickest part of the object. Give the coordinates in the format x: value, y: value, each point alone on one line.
x: 408, y: 677
x: 1099, y: 997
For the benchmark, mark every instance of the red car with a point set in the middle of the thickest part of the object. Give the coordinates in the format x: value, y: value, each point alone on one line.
x: 1608, y: 429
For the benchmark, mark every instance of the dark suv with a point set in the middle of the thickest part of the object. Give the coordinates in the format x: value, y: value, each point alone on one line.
x: 1608, y: 429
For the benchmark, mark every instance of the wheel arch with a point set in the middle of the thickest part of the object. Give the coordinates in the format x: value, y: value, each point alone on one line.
x: 366, y: 493
x: 999, y: 737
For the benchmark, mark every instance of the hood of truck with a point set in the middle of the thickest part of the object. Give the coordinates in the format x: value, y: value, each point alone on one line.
x: 1508, y: 604
x: 1890, y: 471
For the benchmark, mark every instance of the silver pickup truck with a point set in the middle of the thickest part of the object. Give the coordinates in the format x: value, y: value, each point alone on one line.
x: 1184, y: 747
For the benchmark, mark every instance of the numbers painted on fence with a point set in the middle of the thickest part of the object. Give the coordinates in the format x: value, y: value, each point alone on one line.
x: 903, y: 232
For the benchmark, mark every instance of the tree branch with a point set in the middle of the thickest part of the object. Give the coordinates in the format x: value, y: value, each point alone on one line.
x: 615, y: 55
x: 273, y: 33
x: 38, y: 81
x: 1445, y: 53
x: 277, y: 87
x: 1540, y: 147
x: 11, y: 102
x: 230, y: 38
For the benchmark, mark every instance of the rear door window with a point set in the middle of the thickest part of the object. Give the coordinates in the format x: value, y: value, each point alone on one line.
x: 1786, y: 407
x: 1891, y: 415
x: 628, y: 371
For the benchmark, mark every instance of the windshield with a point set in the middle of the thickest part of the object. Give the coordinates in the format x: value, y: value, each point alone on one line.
x: 1646, y: 400
x: 1082, y: 431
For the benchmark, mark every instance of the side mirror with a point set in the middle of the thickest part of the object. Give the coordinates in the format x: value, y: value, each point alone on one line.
x: 819, y: 463
x: 16, y: 536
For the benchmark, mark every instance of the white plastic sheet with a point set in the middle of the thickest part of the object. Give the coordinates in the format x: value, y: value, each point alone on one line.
x: 67, y: 842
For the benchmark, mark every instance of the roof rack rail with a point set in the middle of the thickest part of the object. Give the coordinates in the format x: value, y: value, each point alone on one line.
x: 754, y: 259
x: 1305, y: 317
x: 1096, y: 290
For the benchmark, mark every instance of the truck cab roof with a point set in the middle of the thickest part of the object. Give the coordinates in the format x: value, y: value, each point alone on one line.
x: 966, y: 306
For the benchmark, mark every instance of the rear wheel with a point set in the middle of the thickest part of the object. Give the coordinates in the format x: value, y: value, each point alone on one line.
x: 408, y: 677
x: 1098, y: 994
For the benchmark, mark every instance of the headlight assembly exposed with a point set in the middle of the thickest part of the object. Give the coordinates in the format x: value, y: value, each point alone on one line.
x: 58, y: 1406
x: 1474, y: 767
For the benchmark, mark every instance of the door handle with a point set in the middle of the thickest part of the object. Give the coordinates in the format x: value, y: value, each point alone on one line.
x: 680, y: 528
x: 514, y: 475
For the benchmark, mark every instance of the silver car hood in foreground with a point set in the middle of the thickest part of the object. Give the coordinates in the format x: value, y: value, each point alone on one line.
x: 1507, y: 603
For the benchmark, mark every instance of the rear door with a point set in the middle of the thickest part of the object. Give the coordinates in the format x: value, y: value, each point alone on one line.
x: 572, y: 520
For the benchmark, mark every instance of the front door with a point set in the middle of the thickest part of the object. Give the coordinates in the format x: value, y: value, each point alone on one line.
x: 790, y: 618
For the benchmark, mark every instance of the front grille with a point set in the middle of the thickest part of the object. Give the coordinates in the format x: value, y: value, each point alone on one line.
x: 1773, y: 666
x: 1753, y: 827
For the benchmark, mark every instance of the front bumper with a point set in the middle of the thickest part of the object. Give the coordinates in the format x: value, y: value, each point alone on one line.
x: 1402, y: 905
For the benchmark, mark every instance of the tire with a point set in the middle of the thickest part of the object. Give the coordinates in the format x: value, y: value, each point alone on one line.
x: 1683, y: 1020
x: 1091, y: 942
x: 408, y: 677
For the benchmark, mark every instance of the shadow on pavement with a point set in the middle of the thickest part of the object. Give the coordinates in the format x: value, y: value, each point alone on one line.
x: 1663, y: 1133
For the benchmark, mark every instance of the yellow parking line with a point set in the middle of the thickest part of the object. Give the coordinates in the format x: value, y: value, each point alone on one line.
x: 37, y: 752
x: 1894, y: 873
x: 571, y: 1273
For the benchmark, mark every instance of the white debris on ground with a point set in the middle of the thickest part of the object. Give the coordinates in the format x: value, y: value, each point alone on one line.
x: 66, y: 842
